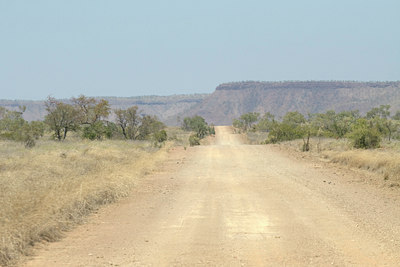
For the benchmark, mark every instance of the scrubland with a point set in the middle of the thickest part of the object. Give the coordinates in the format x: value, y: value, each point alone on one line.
x: 384, y: 161
x: 46, y: 190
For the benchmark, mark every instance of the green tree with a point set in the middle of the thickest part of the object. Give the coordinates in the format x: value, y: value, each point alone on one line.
x: 14, y: 127
x: 160, y: 136
x: 196, y: 124
x: 266, y: 122
x: 380, y: 118
x: 61, y: 118
x: 292, y: 127
x: 149, y: 125
x: 128, y: 120
x: 364, y: 135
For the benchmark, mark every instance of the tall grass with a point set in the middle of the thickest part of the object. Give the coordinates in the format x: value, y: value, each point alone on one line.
x: 386, y: 163
x: 48, y: 189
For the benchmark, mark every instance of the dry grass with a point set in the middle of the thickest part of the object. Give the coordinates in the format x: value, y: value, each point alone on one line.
x: 178, y: 136
x: 384, y: 161
x: 48, y: 189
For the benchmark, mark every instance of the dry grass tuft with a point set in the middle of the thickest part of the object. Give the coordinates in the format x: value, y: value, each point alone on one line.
x: 48, y: 189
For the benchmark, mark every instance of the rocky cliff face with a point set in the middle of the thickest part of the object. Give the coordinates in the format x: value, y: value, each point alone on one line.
x: 230, y: 100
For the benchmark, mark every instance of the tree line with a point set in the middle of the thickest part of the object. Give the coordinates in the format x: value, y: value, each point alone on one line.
x: 87, y: 116
x: 364, y: 131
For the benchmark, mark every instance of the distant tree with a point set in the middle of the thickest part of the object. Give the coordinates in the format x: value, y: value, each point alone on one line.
x: 246, y: 121
x: 265, y: 123
x: 238, y: 124
x: 92, y: 115
x: 249, y: 119
x: 332, y: 124
x: 122, y: 121
x: 160, y: 136
x: 294, y: 119
x: 61, y: 118
x: 91, y: 110
x: 134, y: 126
x: 396, y: 116
x: 292, y: 127
x: 149, y: 125
x: 380, y: 119
x: 14, y: 127
x: 134, y: 120
x: 196, y: 124
x: 381, y: 112
x: 84, y: 105
x: 363, y: 135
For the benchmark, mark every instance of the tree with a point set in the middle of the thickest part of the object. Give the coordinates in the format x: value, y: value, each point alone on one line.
x: 380, y: 118
x: 61, y: 118
x: 396, y: 116
x: 238, y: 124
x: 133, y: 119
x: 84, y: 105
x: 91, y: 110
x: 249, y: 119
x: 134, y: 126
x: 246, y: 121
x: 364, y: 135
x: 14, y: 127
x: 160, y: 136
x: 149, y: 125
x: 128, y: 120
x: 122, y: 120
x: 198, y: 125
x: 293, y: 126
x: 294, y: 118
x: 266, y: 122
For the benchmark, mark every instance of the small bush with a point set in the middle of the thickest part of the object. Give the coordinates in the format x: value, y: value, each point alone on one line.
x: 194, y: 140
x: 364, y: 136
x: 161, y: 136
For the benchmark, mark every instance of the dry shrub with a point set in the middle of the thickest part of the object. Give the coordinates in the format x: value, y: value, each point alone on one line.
x: 46, y: 190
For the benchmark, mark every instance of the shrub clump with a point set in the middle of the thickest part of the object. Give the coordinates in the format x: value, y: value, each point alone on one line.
x: 194, y: 140
x: 364, y: 136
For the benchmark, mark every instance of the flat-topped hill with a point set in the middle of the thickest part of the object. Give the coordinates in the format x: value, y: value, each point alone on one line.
x: 230, y: 100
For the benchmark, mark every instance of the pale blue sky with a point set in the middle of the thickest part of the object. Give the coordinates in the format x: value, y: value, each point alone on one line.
x: 130, y: 48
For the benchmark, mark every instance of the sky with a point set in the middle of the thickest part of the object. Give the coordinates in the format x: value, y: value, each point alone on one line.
x: 132, y: 48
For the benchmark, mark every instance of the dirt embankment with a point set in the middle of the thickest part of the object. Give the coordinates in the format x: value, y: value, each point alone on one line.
x: 235, y: 205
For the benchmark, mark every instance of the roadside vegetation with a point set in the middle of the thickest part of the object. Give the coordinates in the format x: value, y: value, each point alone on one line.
x: 55, y: 172
x: 370, y: 142
x: 199, y: 127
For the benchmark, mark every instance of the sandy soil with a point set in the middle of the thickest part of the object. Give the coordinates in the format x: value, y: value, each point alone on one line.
x: 232, y: 204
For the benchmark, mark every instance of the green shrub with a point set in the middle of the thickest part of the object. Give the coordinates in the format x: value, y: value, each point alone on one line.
x: 94, y: 131
x: 364, y: 135
x: 161, y: 136
x: 194, y: 140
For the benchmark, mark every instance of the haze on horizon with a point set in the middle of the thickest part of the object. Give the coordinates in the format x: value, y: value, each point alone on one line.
x: 131, y: 48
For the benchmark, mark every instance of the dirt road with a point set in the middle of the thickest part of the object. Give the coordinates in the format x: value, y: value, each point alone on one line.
x: 239, y: 205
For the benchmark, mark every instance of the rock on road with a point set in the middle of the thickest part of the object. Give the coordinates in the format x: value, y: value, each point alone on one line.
x: 231, y: 204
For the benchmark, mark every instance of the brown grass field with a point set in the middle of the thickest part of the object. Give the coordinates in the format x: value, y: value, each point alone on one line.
x: 46, y: 190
